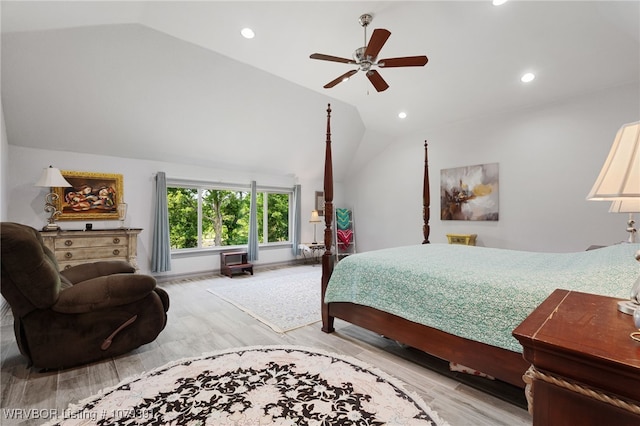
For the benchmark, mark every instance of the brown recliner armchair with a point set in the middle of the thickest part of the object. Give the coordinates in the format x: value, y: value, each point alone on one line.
x: 82, y: 314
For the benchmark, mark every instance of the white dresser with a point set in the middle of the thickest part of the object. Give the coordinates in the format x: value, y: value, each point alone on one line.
x: 76, y: 247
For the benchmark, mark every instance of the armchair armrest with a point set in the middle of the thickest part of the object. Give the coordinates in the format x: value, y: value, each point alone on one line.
x: 104, y: 292
x: 87, y: 271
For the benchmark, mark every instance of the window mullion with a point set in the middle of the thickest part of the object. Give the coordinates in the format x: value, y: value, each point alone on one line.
x: 265, y: 217
x: 200, y: 218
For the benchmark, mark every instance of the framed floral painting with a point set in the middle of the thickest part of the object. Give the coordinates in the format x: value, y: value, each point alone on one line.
x: 92, y: 196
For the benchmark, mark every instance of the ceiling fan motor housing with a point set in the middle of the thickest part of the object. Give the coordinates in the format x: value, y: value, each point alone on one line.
x: 365, y: 19
x: 361, y: 60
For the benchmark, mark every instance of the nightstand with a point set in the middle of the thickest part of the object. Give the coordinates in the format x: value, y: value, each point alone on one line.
x: 585, y: 367
x: 465, y: 239
x: 315, y: 250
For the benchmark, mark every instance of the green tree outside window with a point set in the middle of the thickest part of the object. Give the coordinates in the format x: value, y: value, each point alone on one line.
x: 224, y: 217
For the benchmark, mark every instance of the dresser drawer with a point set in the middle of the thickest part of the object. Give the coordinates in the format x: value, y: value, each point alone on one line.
x: 68, y: 264
x: 115, y: 253
x: 80, y: 242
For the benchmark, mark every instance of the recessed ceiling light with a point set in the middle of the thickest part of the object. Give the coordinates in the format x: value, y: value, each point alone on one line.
x: 247, y: 33
x: 402, y: 114
x: 499, y: 2
x: 528, y: 77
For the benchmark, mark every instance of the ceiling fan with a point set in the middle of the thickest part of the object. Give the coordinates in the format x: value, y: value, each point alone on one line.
x: 367, y: 57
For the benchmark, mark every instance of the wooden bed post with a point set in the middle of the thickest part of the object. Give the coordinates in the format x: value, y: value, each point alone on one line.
x: 327, y: 257
x: 426, y: 198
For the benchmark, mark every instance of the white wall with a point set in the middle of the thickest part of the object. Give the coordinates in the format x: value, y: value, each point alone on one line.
x: 4, y: 161
x: 26, y: 202
x: 549, y: 157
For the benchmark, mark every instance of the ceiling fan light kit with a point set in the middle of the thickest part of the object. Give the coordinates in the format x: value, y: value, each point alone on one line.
x: 366, y: 57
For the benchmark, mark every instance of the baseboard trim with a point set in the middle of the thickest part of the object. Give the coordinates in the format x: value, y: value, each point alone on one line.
x: 216, y: 272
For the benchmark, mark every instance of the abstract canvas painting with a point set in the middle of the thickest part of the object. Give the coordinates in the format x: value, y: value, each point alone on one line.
x: 469, y: 193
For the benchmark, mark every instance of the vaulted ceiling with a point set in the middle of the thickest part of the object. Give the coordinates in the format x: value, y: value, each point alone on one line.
x: 171, y: 80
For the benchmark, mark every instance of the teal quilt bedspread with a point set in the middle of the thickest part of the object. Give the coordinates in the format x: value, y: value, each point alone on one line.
x: 477, y: 293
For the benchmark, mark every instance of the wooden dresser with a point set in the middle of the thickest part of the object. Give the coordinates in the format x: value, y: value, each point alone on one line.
x: 585, y: 367
x: 76, y: 247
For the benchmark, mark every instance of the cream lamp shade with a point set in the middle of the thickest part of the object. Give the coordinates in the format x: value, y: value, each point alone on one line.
x: 619, y: 178
x: 314, y: 217
x: 51, y: 177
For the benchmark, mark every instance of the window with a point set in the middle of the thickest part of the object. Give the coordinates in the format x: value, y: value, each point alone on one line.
x: 275, y: 216
x: 202, y: 216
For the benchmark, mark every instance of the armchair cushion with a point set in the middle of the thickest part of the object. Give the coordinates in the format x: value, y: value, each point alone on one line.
x: 87, y: 271
x: 104, y: 292
x: 30, y: 266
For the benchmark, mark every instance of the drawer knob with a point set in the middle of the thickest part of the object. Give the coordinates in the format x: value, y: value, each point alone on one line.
x: 68, y: 243
x: 68, y: 255
x: 116, y: 252
x: 116, y: 240
x: 67, y: 267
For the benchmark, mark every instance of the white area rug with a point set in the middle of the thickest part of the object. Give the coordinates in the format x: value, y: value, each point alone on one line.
x: 283, y: 299
x: 273, y: 385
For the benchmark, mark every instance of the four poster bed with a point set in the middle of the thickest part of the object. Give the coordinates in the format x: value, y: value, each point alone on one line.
x: 458, y: 303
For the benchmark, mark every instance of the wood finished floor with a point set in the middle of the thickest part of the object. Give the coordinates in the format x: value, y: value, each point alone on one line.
x: 200, y: 322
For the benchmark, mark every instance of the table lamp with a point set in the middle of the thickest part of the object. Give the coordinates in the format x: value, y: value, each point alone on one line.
x: 619, y: 183
x: 315, y: 219
x: 51, y: 178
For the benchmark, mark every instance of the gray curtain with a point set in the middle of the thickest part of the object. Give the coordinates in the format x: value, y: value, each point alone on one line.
x: 161, y: 250
x: 297, y: 219
x: 252, y: 250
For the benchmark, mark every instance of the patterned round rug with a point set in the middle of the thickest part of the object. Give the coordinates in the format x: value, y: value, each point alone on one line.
x: 257, y: 386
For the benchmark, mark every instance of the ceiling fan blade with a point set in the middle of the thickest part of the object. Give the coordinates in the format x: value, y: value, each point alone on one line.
x: 331, y: 58
x: 408, y: 61
x: 377, y: 40
x: 376, y: 79
x: 340, y: 79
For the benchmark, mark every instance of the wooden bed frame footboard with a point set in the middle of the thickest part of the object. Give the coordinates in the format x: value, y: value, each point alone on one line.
x: 502, y: 364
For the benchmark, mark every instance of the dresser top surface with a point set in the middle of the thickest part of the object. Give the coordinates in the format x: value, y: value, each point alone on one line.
x: 581, y: 322
x: 584, y: 337
x: 92, y: 232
